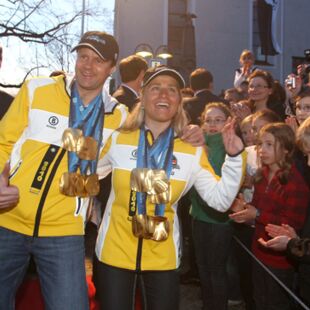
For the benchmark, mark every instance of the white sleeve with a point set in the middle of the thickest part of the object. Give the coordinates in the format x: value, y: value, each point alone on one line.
x: 239, y: 78
x: 219, y: 193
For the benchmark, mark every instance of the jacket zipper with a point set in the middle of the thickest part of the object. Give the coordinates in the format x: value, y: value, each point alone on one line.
x: 45, y: 192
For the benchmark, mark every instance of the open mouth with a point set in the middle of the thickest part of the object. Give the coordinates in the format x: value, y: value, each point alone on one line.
x: 162, y: 105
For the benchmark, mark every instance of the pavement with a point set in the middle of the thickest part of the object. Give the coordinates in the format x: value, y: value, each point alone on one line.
x: 191, y: 299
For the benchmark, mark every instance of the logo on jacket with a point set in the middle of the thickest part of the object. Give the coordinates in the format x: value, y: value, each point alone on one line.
x: 175, y: 163
x: 134, y: 154
x: 53, y: 121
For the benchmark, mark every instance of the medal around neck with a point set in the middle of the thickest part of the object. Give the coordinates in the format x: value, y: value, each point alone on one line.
x: 75, y: 185
x: 72, y: 184
x: 158, y: 227
x: 150, y: 181
x: 139, y: 226
x: 70, y: 139
x: 150, y: 227
x: 86, y: 148
x: 73, y: 140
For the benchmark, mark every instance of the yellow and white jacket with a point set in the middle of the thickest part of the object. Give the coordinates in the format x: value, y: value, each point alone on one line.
x: 116, y: 245
x: 30, y: 138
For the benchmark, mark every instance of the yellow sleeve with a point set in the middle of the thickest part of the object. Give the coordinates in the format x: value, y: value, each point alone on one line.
x: 13, y: 124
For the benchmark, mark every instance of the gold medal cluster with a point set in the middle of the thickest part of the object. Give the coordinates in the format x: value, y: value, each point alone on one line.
x: 155, y: 183
x: 74, y: 184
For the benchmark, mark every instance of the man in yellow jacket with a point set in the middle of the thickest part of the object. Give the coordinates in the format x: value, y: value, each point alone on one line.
x: 50, y: 142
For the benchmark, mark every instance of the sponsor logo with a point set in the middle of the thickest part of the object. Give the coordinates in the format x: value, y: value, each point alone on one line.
x: 53, y: 122
x: 134, y: 154
x: 175, y: 163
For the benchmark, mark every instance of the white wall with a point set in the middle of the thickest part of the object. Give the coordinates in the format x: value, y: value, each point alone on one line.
x: 139, y: 22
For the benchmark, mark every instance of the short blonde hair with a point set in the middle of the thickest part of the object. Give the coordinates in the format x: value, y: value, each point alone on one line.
x: 246, y: 53
x: 303, y: 136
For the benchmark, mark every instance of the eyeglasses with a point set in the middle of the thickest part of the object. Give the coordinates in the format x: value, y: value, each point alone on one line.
x: 217, y: 121
x: 259, y: 87
x: 303, y: 108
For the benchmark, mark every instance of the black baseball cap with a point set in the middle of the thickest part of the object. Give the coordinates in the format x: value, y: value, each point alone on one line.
x: 101, y: 43
x: 153, y: 72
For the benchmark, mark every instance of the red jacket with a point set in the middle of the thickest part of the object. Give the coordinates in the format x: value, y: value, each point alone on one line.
x: 278, y: 204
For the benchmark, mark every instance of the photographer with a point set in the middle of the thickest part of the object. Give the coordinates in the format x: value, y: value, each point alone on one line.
x: 297, y: 83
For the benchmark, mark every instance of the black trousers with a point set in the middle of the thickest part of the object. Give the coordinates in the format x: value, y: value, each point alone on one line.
x: 116, y: 288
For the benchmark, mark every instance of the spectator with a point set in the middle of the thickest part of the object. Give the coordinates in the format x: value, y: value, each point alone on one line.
x: 280, y: 196
x: 201, y: 82
x: 285, y: 237
x: 246, y: 60
x: 132, y: 69
x: 232, y: 95
x: 261, y: 93
x: 212, y: 232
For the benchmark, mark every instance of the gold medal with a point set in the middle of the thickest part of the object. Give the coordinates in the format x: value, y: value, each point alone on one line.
x: 139, y: 223
x: 161, y: 198
x: 70, y: 139
x: 91, y: 184
x: 141, y: 179
x: 86, y: 148
x: 71, y: 184
x: 158, y: 227
x: 160, y: 182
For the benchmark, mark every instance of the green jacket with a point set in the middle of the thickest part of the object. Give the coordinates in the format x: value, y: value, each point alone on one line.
x: 216, y: 155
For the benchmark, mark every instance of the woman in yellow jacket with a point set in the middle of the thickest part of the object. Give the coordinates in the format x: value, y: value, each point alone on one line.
x: 139, y: 238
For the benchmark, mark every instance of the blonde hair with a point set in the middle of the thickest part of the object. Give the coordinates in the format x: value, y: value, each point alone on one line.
x: 303, y: 136
x: 136, y: 117
x: 247, y: 120
x: 246, y: 53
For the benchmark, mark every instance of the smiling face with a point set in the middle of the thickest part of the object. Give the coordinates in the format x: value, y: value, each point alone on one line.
x: 161, y: 100
x: 303, y: 109
x: 258, y: 90
x: 214, y: 121
x: 91, y: 71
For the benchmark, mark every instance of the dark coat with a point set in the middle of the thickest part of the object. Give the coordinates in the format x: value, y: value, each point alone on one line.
x: 5, y: 102
x: 194, y: 106
x: 126, y: 96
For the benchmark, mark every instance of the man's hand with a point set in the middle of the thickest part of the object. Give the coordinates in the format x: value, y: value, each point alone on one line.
x: 9, y: 195
x: 233, y: 144
x: 193, y: 135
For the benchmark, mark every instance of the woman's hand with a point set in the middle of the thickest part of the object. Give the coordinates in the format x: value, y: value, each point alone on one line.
x: 238, y: 204
x: 280, y: 230
x: 278, y: 243
x: 292, y: 122
x: 246, y: 215
x: 233, y: 144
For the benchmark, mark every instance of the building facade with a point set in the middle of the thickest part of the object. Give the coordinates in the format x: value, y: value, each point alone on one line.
x: 212, y: 33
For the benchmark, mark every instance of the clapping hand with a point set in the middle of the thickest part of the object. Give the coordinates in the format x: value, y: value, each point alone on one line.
x: 9, y: 195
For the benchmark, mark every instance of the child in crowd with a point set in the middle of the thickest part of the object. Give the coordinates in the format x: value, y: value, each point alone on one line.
x: 281, y: 196
x: 285, y: 237
x: 302, y: 110
x: 212, y: 233
x: 246, y: 130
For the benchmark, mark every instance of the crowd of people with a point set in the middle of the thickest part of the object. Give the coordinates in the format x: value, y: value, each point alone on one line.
x: 72, y: 155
